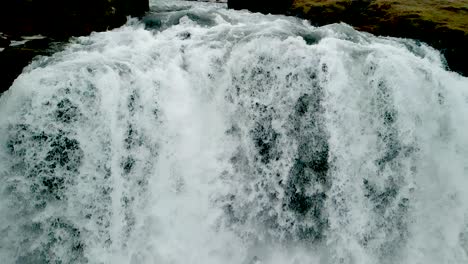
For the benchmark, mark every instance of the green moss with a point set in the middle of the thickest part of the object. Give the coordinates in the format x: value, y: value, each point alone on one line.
x: 448, y: 14
x: 451, y: 15
x: 307, y: 5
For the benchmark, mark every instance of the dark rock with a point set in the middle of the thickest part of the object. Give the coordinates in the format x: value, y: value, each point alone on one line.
x: 262, y: 6
x: 441, y: 24
x: 57, y: 18
x: 14, y: 58
x: 4, y: 42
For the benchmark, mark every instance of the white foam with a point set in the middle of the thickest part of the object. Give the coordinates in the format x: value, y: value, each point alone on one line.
x: 34, y: 37
x: 15, y: 43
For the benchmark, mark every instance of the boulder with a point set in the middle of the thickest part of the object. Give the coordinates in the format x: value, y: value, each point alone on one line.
x: 14, y: 58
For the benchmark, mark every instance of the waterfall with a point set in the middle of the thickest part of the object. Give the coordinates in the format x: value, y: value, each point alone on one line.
x: 206, y: 135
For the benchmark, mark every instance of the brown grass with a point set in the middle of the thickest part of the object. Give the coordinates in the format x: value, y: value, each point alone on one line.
x: 451, y: 14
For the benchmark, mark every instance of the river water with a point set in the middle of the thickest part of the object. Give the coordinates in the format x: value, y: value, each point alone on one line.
x: 206, y: 135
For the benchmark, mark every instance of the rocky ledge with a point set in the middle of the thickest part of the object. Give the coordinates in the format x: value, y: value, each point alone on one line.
x: 65, y: 18
x: 54, y: 21
x: 440, y: 23
x: 19, y: 53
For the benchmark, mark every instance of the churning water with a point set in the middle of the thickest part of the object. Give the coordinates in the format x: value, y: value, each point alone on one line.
x: 204, y: 135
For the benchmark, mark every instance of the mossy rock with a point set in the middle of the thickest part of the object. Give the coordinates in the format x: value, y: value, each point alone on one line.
x: 440, y: 23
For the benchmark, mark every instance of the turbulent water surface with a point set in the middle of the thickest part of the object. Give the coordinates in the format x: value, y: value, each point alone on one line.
x: 204, y: 135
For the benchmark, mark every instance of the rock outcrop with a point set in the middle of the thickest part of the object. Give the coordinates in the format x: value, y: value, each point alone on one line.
x: 14, y: 58
x: 64, y: 18
x: 57, y: 20
x: 440, y: 23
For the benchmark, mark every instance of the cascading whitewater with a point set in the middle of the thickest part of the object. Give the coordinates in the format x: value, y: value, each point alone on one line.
x: 205, y: 135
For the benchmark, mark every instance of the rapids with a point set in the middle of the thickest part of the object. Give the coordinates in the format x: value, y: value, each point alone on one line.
x: 206, y: 135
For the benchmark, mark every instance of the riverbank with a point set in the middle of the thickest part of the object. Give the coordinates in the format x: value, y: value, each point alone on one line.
x: 49, y: 22
x: 440, y: 23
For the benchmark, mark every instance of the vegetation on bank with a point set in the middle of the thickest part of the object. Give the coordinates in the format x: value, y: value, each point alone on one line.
x: 442, y: 24
x: 451, y: 15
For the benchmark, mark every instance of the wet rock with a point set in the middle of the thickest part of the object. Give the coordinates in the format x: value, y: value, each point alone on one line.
x: 14, y: 58
x: 63, y: 19
x: 58, y: 20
